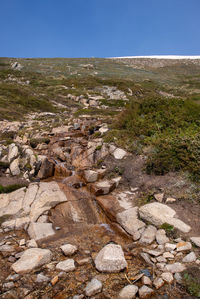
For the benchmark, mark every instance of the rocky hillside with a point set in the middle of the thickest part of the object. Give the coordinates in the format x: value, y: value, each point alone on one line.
x: 91, y: 203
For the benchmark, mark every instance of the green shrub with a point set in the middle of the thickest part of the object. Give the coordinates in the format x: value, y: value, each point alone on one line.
x: 11, y: 188
x: 191, y: 279
x: 170, y: 127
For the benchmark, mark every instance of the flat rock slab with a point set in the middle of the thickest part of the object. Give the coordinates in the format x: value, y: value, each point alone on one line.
x: 31, y: 259
x: 129, y: 220
x: 158, y: 214
x: 39, y: 230
x: 175, y: 268
x: 110, y: 259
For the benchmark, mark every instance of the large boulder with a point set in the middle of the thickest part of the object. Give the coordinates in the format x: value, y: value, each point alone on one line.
x: 110, y: 259
x: 158, y: 214
x: 13, y: 152
x: 31, y: 259
x: 14, y: 167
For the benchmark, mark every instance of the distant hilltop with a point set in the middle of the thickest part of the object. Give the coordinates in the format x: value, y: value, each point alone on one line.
x: 158, y: 57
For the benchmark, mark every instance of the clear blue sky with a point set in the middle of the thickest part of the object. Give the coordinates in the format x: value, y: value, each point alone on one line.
x: 99, y: 28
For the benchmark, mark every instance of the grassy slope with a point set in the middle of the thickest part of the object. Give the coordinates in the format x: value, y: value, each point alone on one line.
x: 166, y: 129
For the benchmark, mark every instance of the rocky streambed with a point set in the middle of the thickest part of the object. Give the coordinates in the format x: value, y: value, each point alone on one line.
x: 76, y: 230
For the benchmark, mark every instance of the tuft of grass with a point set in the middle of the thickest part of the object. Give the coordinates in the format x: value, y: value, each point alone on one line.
x: 167, y: 227
x: 11, y: 188
x: 191, y: 280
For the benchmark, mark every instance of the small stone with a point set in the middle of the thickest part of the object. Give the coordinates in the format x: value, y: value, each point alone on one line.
x: 119, y: 154
x: 13, y: 277
x: 146, y: 258
x: 170, y: 247
x: 153, y: 252
x: 32, y: 244
x: 161, y: 259
x: 78, y: 297
x: 83, y: 261
x: 161, y: 237
x: 11, y: 259
x: 68, y: 249
x: 8, y: 285
x: 196, y: 241
x: 146, y: 280
x: 90, y: 176
x: 168, y: 255
x: 128, y: 292
x: 184, y: 246
x: 22, y: 242
x: 42, y: 278
x: 67, y: 265
x: 7, y: 248
x: 161, y: 266
x: 158, y: 282
x: 189, y: 258
x: 145, y: 292
x: 175, y: 268
x: 110, y: 259
x: 149, y: 235
x: 167, y: 276
x: 159, y: 196
x: 170, y: 200
x: 93, y: 287
x: 54, y: 280
x: 198, y: 262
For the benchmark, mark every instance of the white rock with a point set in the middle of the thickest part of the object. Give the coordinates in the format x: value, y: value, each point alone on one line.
x: 145, y: 292
x: 110, y: 259
x: 119, y: 154
x: 170, y: 200
x: 68, y: 249
x: 161, y: 237
x: 14, y: 167
x: 183, y: 246
x: 158, y: 214
x: 13, y: 152
x: 93, y: 287
x: 22, y: 242
x: 175, y: 268
x: 158, y: 282
x: 170, y: 247
x: 189, y: 258
x: 31, y: 259
x: 90, y: 176
x: 39, y: 231
x: 146, y: 280
x: 149, y: 235
x: 167, y: 276
x: 159, y: 196
x: 128, y: 219
x: 196, y: 241
x: 128, y: 292
x: 67, y: 265
x: 32, y: 244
